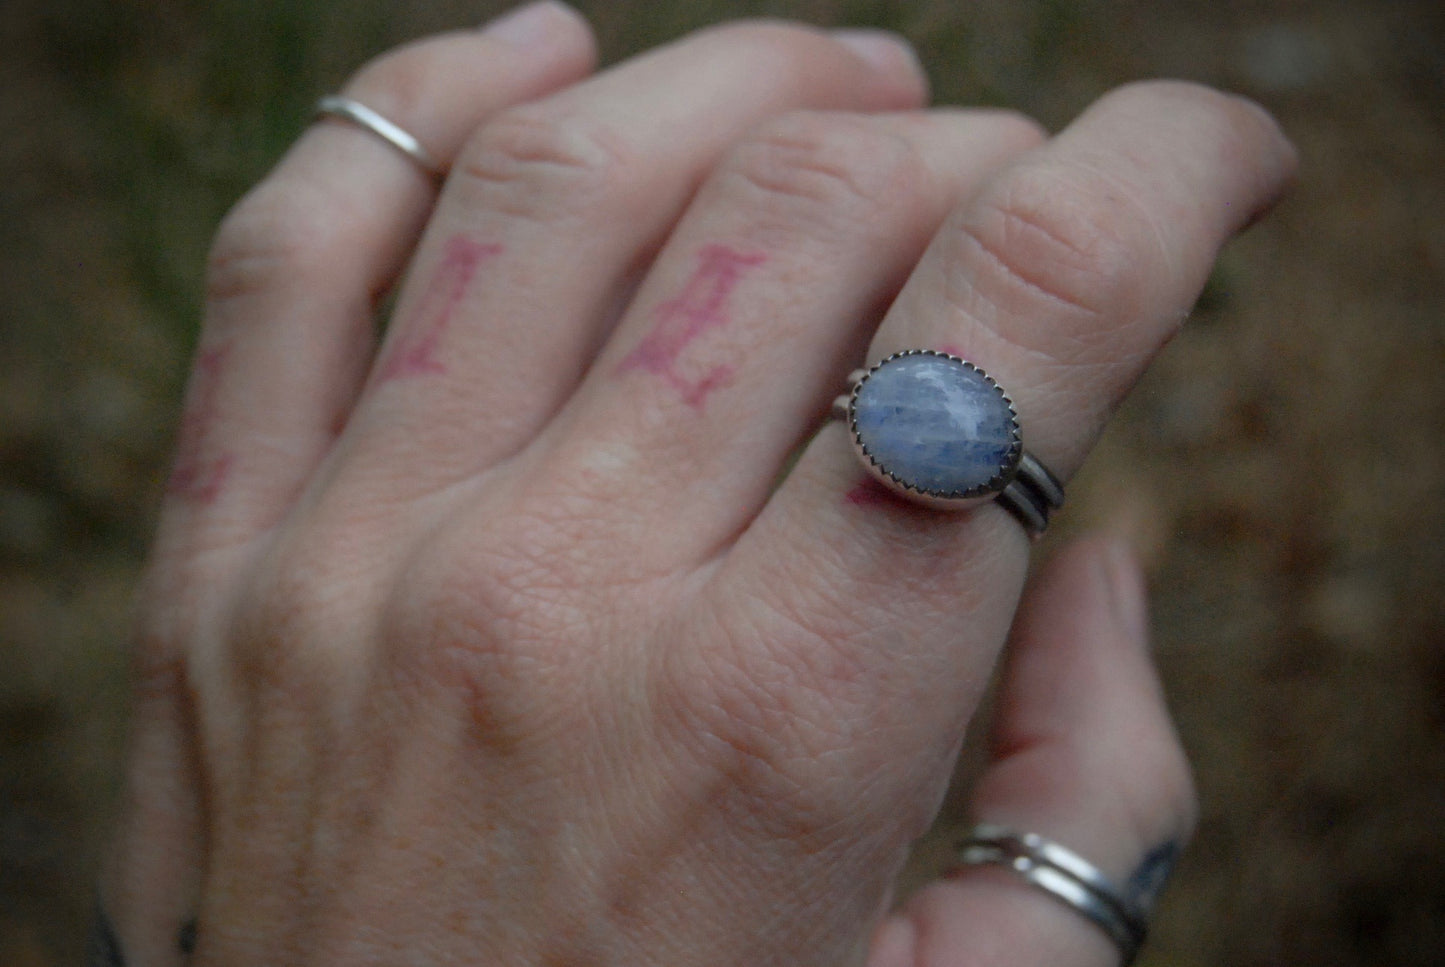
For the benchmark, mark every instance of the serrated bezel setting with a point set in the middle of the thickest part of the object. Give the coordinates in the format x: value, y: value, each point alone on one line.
x: 1008, y: 466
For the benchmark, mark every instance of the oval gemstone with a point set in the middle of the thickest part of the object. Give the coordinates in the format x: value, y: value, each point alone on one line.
x: 935, y: 423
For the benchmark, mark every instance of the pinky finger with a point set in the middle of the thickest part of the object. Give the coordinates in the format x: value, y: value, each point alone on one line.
x: 300, y: 263
x: 1084, y: 754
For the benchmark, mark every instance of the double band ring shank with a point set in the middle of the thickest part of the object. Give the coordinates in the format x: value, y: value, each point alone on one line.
x: 1064, y: 875
x: 345, y: 108
x: 937, y: 430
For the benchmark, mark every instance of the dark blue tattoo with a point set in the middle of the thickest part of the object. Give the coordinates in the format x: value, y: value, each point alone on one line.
x: 103, y: 950
x: 1148, y: 880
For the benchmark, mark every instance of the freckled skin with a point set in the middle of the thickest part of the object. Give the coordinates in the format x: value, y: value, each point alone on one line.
x: 199, y: 475
x: 415, y: 353
x: 702, y: 306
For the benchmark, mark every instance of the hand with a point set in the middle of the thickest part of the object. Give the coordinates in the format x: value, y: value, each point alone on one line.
x: 500, y: 643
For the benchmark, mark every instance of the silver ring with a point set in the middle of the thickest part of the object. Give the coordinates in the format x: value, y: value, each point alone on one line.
x: 1064, y: 875
x: 937, y: 430
x: 333, y: 105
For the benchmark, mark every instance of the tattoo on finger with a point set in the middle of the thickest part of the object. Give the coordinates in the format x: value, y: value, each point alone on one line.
x: 1148, y: 879
x: 702, y: 306
x: 200, y: 471
x: 416, y: 352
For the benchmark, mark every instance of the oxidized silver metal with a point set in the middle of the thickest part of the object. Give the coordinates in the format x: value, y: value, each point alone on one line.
x: 1023, y: 485
x: 1064, y: 875
x: 334, y: 105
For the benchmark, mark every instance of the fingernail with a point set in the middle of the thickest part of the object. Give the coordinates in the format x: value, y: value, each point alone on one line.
x: 882, y: 49
x: 1128, y: 596
x: 531, y: 25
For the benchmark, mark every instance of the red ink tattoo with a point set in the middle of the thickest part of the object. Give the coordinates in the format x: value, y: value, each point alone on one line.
x: 415, y: 353
x: 868, y: 493
x: 197, y: 474
x: 702, y: 306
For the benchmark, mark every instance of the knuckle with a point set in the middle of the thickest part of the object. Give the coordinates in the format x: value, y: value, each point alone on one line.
x: 444, y: 651
x: 1064, y: 238
x: 821, y: 170
x: 284, y: 231
x: 494, y: 627
x: 541, y: 166
x: 293, y: 638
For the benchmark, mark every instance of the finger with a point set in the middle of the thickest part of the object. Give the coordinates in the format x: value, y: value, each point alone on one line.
x: 1084, y: 753
x: 1072, y: 269
x: 768, y: 288
x: 300, y: 262
x: 1061, y: 278
x: 549, y: 214
x: 288, y: 332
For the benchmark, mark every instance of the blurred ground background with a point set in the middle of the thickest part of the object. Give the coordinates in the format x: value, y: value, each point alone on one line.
x: 1280, y: 469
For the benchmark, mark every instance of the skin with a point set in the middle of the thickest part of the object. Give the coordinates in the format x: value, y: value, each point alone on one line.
x: 500, y: 642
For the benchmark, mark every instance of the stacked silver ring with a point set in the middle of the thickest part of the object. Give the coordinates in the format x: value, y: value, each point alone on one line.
x: 1064, y: 875
x: 1032, y: 495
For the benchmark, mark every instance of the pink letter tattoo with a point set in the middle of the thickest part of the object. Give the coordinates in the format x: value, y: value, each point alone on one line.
x: 197, y: 475
x: 415, y: 352
x: 701, y: 306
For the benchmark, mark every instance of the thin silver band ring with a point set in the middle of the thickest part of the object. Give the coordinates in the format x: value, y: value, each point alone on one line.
x: 1064, y: 875
x: 334, y: 105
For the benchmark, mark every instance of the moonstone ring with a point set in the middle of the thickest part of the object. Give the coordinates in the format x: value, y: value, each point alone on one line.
x: 939, y: 431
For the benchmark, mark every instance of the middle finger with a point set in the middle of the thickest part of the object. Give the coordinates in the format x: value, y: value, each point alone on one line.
x: 550, y: 212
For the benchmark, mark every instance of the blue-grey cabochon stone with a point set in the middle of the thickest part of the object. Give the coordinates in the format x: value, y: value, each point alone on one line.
x: 934, y: 423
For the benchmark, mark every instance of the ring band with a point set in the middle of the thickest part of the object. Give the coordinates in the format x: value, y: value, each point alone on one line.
x: 1064, y: 875
x: 1032, y: 495
x: 936, y: 429
x: 334, y: 105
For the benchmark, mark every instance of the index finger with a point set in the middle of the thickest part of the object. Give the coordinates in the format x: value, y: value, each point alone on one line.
x: 1061, y: 279
x: 1066, y: 275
